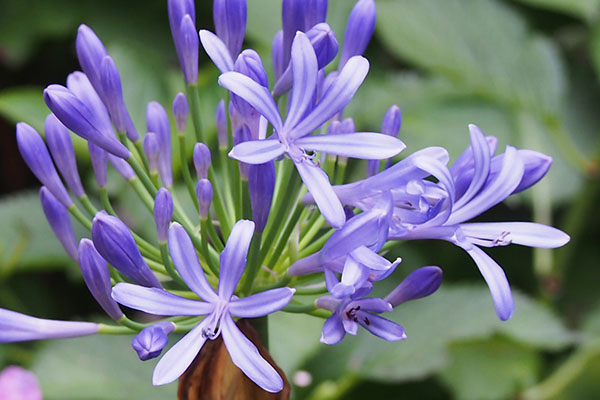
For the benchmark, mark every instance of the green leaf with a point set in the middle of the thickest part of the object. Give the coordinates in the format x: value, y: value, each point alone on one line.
x: 96, y: 367
x: 487, y: 50
x: 587, y: 9
x: 489, y: 369
x: 24, y: 104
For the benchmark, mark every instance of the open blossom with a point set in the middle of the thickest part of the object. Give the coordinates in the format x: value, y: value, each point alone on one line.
x: 218, y: 307
x: 293, y: 138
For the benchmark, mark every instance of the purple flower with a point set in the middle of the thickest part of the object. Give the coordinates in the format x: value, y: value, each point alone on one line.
x: 181, y: 110
x: 17, y: 327
x: 204, y: 195
x: 63, y: 153
x: 420, y: 283
x: 122, y: 167
x: 97, y: 278
x: 17, y: 383
x: 201, y: 158
x: 151, y: 341
x: 392, y: 121
x: 163, y: 213
x: 99, y: 159
x: 36, y: 156
x: 292, y: 137
x: 114, y: 242
x: 359, y: 29
x: 158, y: 122
x: 219, y: 307
x: 182, y: 19
x: 221, y: 122
x: 261, y: 185
x: 230, y: 23
x: 58, y: 218
x: 152, y: 151
x: 351, y: 312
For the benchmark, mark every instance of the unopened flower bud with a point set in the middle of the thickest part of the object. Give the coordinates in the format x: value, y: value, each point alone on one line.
x: 261, y: 185
x: 221, y: 121
x: 151, y: 341
x: 181, y: 110
x: 99, y: 159
x: 201, y: 159
x: 114, y: 242
x: 163, y: 213
x: 242, y: 134
x: 122, y: 167
x: 97, y: 278
x: 392, y: 121
x: 315, y: 12
x: 157, y: 121
x: 91, y: 52
x: 61, y: 147
x: 58, y: 218
x: 204, y: 195
x: 152, y: 150
x: 420, y: 283
x: 36, y: 156
x: 230, y: 23
x: 359, y: 30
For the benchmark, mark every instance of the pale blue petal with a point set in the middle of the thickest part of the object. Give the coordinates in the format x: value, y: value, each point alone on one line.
x: 179, y: 357
x: 255, y: 94
x: 184, y: 257
x: 524, y: 233
x: 306, y: 265
x: 337, y: 96
x: 304, y: 69
x: 245, y: 355
x: 370, y: 259
x: 482, y: 158
x: 366, y: 145
x: 257, y: 151
x: 381, y: 327
x: 233, y: 257
x: 374, y: 304
x: 333, y: 330
x: 318, y: 184
x: 262, y: 303
x: 157, y: 301
x: 216, y: 50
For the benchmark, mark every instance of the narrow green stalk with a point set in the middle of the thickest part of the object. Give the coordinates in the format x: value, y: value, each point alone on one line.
x: 106, y: 202
x: 204, y: 235
x: 275, y: 253
x: 285, y: 279
x: 143, y: 177
x: 314, y: 226
x: 136, y: 326
x: 83, y: 220
x: 185, y: 170
x: 225, y: 175
x: 156, y: 266
x: 340, y: 172
x: 222, y: 215
x: 104, y: 329
x: 262, y: 328
x: 316, y: 245
x: 193, y: 95
x: 142, y: 194
x: 253, y: 264
x: 164, y: 252
x: 246, y: 202
x: 139, y: 146
x: 87, y: 204
x: 214, y: 236
x: 236, y: 188
x: 307, y: 291
x: 299, y: 308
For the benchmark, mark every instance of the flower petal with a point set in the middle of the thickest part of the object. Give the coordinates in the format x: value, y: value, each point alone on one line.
x: 184, y: 257
x: 306, y: 265
x: 304, y: 69
x: 245, y: 355
x: 524, y: 233
x: 381, y: 327
x: 262, y: 303
x: 233, y: 257
x: 179, y: 357
x: 374, y: 304
x: 496, y: 280
x: 367, y: 145
x: 370, y: 259
x: 216, y: 50
x: 157, y: 301
x: 257, y: 151
x: 333, y: 330
x: 481, y: 156
x: 255, y: 94
x: 318, y: 184
x: 337, y: 96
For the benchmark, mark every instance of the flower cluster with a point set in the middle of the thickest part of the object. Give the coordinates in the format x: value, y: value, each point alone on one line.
x: 256, y: 244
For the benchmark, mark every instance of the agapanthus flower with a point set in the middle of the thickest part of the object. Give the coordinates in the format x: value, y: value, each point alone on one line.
x: 292, y: 137
x: 219, y: 307
x: 17, y: 383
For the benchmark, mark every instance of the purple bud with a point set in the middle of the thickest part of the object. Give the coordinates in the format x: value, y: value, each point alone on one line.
x: 242, y: 134
x: 420, y: 283
x: 315, y: 12
x: 58, y: 218
x: 293, y: 20
x: 334, y: 128
x: 99, y: 160
x: 63, y: 153
x: 122, y: 167
x: 76, y: 116
x: 536, y: 166
x: 97, y: 278
x: 201, y: 159
x: 204, y: 195
x: 189, y: 44
x: 392, y: 121
x: 181, y: 110
x: 230, y: 23
x: 91, y: 52
x: 221, y: 120
x: 158, y: 122
x: 347, y: 126
x: 114, y: 242
x: 250, y: 64
x: 17, y: 383
x: 277, y: 55
x: 151, y: 341
x: 36, y: 156
x: 152, y: 151
x: 359, y: 30
x: 261, y: 184
x: 236, y: 118
x: 324, y: 42
x: 113, y: 98
x: 163, y: 213
x: 79, y: 84
x: 17, y: 327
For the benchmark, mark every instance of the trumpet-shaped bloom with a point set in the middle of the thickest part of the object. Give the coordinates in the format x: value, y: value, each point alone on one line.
x: 219, y: 307
x: 292, y: 136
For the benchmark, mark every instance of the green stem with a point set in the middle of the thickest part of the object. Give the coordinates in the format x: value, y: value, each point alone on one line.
x: 114, y: 330
x: 164, y: 252
x: 185, y: 170
x: 142, y: 194
x: 83, y: 220
x: 87, y: 204
x: 253, y: 263
x: 299, y: 308
x: 316, y: 245
x: 193, y: 95
x: 222, y: 215
x: 308, y: 291
x: 276, y: 251
x: 246, y: 202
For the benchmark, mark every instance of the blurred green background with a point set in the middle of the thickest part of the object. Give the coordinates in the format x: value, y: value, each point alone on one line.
x: 526, y: 71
